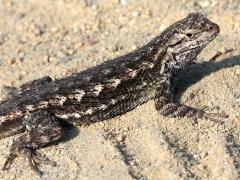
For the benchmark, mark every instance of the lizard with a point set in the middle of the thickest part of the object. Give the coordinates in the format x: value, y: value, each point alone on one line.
x: 38, y: 108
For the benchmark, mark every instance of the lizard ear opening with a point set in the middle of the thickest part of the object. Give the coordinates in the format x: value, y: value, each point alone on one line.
x: 190, y: 33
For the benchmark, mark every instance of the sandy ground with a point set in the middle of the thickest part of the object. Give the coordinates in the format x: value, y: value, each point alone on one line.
x: 57, y: 38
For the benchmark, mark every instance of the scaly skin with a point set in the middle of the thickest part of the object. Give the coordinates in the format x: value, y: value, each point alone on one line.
x: 104, y: 91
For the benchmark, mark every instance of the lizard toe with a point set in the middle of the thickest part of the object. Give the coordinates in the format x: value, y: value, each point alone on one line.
x: 34, y: 157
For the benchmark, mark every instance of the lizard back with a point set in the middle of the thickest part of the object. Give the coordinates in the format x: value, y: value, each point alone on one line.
x: 117, y: 85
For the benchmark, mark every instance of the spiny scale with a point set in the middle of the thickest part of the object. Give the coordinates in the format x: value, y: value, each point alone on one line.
x: 89, y: 92
x: 40, y: 107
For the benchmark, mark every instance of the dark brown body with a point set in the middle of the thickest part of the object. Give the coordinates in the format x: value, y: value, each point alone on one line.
x: 105, y: 91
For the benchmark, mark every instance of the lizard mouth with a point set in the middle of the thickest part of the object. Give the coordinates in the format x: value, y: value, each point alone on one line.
x: 202, y: 41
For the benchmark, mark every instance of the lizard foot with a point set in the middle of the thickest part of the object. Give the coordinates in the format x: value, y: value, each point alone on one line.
x: 34, y: 157
x: 173, y: 110
x: 208, y: 114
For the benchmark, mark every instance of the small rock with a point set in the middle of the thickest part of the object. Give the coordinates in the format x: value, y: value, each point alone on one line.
x: 204, y: 4
x: 136, y: 13
x: 78, y: 45
x: 65, y: 59
x: 11, y: 61
x: 1, y: 38
x: 91, y: 42
x: 119, y: 138
x: 76, y: 30
x: 46, y: 59
x: 237, y: 70
x: 54, y: 29
x: 134, y: 47
x: 11, y: 141
x: 237, y: 114
x: 132, y: 163
x: 52, y: 59
x: 21, y: 55
x: 22, y: 74
x: 162, y: 28
x: 23, y: 39
x: 70, y: 51
x: 123, y: 2
x: 88, y: 3
x: 94, y: 7
x: 36, y: 29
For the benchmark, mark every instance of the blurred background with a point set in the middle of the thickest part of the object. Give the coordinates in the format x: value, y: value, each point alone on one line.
x: 60, y: 37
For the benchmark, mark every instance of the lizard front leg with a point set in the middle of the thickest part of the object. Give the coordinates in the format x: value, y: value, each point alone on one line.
x: 164, y: 103
x: 42, y: 128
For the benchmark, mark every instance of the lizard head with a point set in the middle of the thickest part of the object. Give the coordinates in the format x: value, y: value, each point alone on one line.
x: 186, y: 38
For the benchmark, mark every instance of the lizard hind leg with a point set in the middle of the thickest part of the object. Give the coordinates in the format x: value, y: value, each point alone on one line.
x: 42, y: 128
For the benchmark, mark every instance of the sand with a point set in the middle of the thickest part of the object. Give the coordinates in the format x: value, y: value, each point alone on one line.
x: 57, y: 38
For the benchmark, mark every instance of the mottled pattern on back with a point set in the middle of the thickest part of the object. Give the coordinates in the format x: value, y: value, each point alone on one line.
x: 117, y: 86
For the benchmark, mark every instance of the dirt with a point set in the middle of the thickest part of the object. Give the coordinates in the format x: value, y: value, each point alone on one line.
x: 58, y: 38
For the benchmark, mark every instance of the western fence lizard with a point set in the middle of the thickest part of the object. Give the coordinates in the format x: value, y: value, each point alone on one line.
x: 104, y: 91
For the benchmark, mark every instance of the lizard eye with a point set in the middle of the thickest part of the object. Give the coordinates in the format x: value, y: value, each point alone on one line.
x: 192, y: 32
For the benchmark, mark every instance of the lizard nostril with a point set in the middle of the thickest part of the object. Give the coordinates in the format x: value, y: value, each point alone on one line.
x: 211, y: 28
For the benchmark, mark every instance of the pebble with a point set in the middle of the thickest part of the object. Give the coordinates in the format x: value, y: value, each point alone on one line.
x: 36, y: 29
x: 46, y: 59
x: 123, y: 2
x: 54, y: 29
x: 78, y: 45
x: 52, y: 59
x: 238, y: 70
x: 70, y: 51
x: 162, y: 27
x: 119, y: 138
x: 65, y: 59
x: 204, y: 4
x: 134, y: 47
x: 136, y: 13
x: 91, y: 42
x: 22, y: 74
x: 11, y: 61
x: 88, y: 3
x: 94, y: 7
x: 21, y: 55
x: 1, y: 38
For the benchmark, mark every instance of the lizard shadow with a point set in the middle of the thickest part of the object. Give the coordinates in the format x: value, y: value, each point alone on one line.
x: 191, y: 75
x: 69, y: 131
x: 196, y: 72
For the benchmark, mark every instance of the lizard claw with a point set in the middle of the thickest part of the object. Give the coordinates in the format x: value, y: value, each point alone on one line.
x: 206, y: 113
x: 196, y: 114
x: 214, y: 117
x: 8, y: 162
x: 34, y: 157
